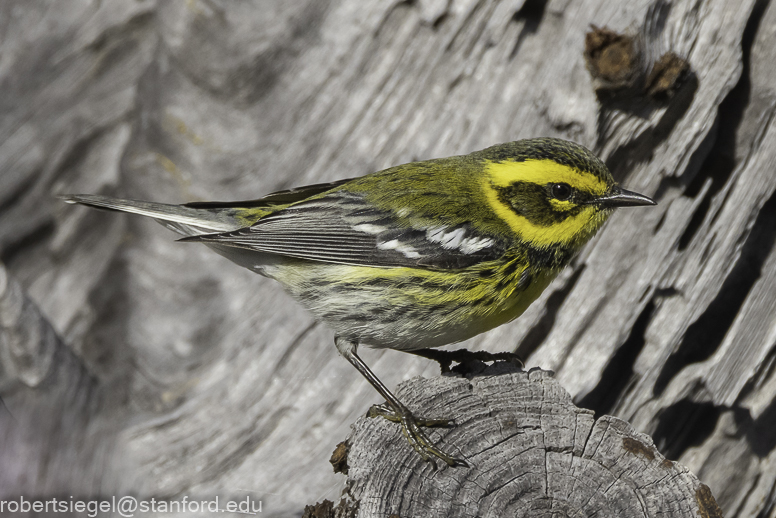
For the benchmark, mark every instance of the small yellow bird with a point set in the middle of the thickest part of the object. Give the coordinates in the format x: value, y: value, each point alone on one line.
x: 418, y: 255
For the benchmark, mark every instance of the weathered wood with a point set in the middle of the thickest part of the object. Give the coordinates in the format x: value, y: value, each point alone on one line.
x: 531, y: 453
x: 207, y: 379
x: 49, y: 404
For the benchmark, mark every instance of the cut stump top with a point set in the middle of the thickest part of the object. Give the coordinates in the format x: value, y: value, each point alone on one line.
x: 532, y: 453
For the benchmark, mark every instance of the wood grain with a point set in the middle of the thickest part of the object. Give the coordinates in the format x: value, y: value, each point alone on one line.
x: 531, y: 453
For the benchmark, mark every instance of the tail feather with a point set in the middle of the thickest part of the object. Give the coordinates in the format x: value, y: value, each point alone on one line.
x: 184, y: 220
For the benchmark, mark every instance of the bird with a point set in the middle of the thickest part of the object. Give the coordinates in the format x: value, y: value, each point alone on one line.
x: 415, y: 256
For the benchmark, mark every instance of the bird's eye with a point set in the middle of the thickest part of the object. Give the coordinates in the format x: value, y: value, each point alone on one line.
x: 561, y: 191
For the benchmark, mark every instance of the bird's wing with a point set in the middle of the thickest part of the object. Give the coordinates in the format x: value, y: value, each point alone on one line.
x: 342, y: 227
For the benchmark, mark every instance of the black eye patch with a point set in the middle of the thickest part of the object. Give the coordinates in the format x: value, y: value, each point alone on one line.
x: 532, y: 201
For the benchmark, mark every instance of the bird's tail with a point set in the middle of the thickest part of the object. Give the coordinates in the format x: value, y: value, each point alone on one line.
x: 184, y: 220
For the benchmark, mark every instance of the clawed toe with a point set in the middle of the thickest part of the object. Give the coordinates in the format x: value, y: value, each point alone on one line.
x: 415, y: 435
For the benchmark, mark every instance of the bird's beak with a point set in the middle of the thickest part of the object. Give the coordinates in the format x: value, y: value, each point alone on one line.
x: 620, y: 197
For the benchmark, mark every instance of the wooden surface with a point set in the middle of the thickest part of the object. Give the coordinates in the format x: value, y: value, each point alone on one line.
x: 531, y: 452
x: 166, y: 370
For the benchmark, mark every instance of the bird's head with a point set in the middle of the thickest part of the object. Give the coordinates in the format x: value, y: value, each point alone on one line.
x: 552, y: 192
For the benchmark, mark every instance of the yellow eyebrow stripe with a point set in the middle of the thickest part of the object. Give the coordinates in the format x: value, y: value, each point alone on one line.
x: 542, y: 172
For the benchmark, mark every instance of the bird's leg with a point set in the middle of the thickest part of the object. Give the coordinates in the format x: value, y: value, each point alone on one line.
x: 395, y: 411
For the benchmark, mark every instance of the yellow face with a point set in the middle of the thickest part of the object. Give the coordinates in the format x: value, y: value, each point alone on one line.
x: 544, y: 202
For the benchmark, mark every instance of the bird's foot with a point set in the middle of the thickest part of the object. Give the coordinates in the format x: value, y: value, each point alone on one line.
x: 411, y: 426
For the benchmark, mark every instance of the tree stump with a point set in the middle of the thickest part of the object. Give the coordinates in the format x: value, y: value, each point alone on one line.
x: 532, y: 453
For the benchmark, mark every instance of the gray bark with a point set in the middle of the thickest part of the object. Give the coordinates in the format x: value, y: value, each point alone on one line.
x: 162, y: 369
